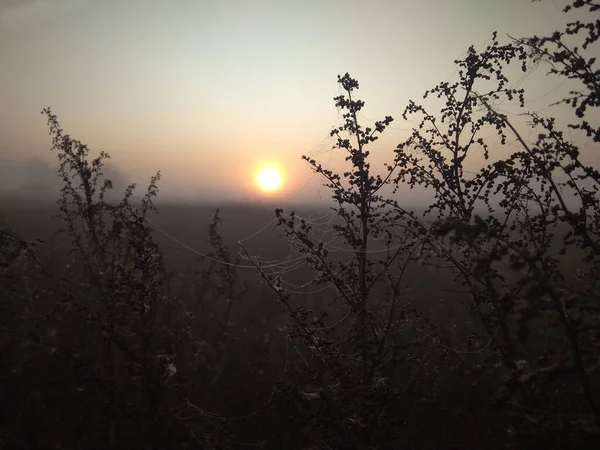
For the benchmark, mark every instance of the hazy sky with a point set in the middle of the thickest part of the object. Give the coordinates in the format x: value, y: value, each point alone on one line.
x: 206, y: 90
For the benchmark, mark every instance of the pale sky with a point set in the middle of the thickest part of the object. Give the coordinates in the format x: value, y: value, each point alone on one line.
x: 206, y: 90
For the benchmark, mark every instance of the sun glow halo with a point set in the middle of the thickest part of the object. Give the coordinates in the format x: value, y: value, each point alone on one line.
x: 269, y: 179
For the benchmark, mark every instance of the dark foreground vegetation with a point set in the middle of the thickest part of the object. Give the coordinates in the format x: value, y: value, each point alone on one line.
x: 473, y: 324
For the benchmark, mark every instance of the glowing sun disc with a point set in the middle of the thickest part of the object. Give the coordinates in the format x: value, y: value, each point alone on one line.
x: 269, y: 179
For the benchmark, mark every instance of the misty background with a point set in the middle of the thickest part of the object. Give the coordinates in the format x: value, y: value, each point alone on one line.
x: 205, y: 91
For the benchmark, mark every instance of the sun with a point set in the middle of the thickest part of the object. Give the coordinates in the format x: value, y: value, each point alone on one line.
x: 269, y: 179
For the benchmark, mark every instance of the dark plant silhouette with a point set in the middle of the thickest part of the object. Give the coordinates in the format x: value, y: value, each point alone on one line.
x: 517, y: 222
x: 513, y: 227
x: 348, y: 383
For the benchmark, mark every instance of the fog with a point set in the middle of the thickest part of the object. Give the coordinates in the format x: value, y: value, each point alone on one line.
x: 36, y: 179
x: 206, y: 92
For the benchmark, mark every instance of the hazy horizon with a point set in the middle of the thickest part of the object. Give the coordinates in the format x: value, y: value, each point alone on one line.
x: 206, y: 92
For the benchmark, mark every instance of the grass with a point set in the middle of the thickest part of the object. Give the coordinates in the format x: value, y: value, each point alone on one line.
x: 233, y: 394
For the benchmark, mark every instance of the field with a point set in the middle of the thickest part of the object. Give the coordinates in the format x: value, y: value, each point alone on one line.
x: 247, y: 353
